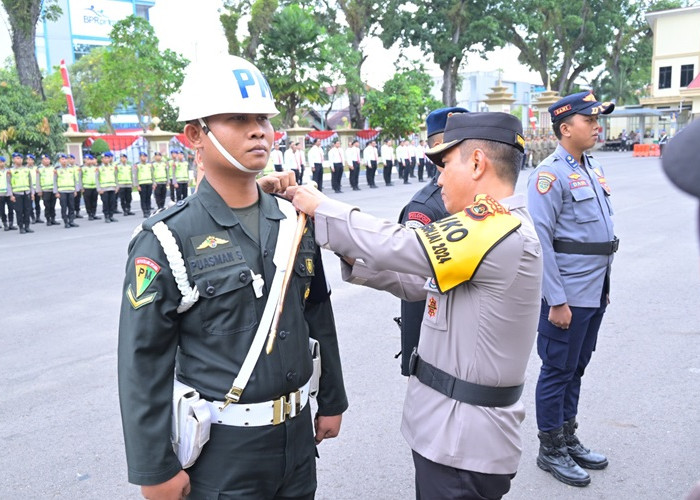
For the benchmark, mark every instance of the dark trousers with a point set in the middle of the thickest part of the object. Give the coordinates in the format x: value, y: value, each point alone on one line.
x: 297, y: 175
x: 49, y: 205
x: 125, y: 198
x: 76, y: 202
x: 430, y: 168
x: 23, y: 207
x: 271, y: 462
x: 401, y: 167
x: 145, y: 198
x: 441, y: 482
x: 5, y: 201
x: 355, y: 175
x: 565, y: 355
x: 37, y: 206
x: 114, y: 200
x: 182, y: 190
x: 67, y: 207
x: 317, y: 175
x: 421, y: 166
x: 279, y: 168
x: 172, y: 190
x: 412, y: 166
x: 109, y: 201
x: 370, y: 171
x: 91, y: 201
x: 406, y: 171
x: 386, y: 173
x: 159, y: 193
x: 337, y: 176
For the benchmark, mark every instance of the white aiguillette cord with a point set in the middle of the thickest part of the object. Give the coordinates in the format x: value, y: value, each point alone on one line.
x: 284, y: 247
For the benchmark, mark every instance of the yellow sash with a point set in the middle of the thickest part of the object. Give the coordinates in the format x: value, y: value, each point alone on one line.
x: 457, y: 244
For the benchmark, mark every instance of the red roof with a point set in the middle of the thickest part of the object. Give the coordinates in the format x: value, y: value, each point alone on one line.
x: 695, y: 84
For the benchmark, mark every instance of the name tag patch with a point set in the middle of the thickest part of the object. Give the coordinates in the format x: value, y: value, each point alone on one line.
x: 217, y: 260
x: 578, y: 184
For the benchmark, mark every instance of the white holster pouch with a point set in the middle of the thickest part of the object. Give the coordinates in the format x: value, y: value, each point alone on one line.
x: 315, y: 349
x: 191, y: 423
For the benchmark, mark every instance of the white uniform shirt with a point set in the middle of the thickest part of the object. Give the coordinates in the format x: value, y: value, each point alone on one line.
x: 352, y: 154
x: 276, y: 157
x: 335, y: 155
x: 387, y: 153
x: 290, y: 161
x: 370, y: 154
x: 315, y: 155
x: 300, y: 157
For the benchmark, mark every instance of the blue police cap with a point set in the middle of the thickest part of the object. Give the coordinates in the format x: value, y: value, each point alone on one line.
x: 44, y: 155
x: 71, y: 156
x: 123, y: 155
x: 2, y: 158
x: 62, y: 155
x: 143, y: 153
x: 17, y: 155
x: 438, y: 118
x: 582, y: 103
x: 108, y: 154
x: 88, y: 156
x: 174, y: 151
x: 29, y: 155
x: 158, y: 153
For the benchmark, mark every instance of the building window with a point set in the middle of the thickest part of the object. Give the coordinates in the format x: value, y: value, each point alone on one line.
x: 665, y: 77
x: 687, y: 74
x: 142, y: 11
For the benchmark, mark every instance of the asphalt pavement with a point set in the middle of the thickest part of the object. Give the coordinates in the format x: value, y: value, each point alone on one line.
x: 59, y: 415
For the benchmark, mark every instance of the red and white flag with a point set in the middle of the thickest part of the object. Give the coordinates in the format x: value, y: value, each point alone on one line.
x: 72, y: 118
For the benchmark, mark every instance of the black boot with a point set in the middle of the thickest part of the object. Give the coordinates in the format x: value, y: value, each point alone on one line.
x: 39, y: 220
x: 5, y: 226
x: 54, y: 223
x: 583, y: 456
x: 27, y: 229
x: 554, y: 458
x: 12, y: 227
x: 48, y: 221
x: 22, y: 230
x: 73, y: 224
x: 66, y: 224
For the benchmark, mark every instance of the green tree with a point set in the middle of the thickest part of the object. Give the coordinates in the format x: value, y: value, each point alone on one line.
x: 447, y: 29
x: 147, y: 74
x: 99, y: 146
x: 260, y: 13
x: 399, y: 109
x: 294, y: 55
x: 27, y: 124
x: 23, y: 16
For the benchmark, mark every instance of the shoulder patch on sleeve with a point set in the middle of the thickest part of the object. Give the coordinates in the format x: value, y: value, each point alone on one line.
x: 544, y: 182
x: 418, y: 217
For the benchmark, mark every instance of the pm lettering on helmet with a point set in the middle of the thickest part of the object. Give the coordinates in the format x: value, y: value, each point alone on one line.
x: 245, y: 79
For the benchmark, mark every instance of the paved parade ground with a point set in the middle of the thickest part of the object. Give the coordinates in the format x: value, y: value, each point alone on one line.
x: 60, y: 426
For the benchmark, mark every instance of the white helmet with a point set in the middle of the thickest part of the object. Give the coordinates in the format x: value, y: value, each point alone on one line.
x: 224, y: 84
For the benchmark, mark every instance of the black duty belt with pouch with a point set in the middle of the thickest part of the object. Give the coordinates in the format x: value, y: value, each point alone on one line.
x: 461, y: 390
x: 577, y: 247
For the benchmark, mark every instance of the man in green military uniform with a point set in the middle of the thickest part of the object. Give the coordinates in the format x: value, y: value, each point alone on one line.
x: 125, y: 181
x: 202, y: 282
x: 5, y: 197
x: 161, y: 176
x: 106, y: 184
x: 143, y: 173
x: 65, y: 189
x: 22, y: 191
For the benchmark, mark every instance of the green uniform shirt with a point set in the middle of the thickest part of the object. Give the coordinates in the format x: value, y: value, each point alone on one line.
x: 22, y: 179
x: 65, y: 179
x: 3, y: 181
x: 160, y: 172
x: 45, y: 175
x: 125, y: 175
x: 144, y: 173
x: 215, y: 334
x: 181, y: 171
x: 107, y: 177
x: 88, y: 172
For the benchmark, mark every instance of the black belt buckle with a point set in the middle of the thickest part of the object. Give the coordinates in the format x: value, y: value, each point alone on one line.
x: 615, y: 244
x: 413, y: 361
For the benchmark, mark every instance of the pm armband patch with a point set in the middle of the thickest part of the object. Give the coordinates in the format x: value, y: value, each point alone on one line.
x: 456, y: 245
x: 146, y: 271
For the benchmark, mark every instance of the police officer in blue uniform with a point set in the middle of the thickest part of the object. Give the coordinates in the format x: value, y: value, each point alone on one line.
x: 425, y: 207
x: 569, y: 200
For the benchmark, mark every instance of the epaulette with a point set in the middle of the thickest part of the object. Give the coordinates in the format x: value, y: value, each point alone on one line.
x: 165, y: 214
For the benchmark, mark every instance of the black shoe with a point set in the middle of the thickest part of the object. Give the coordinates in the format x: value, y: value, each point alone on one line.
x: 96, y: 217
x: 406, y: 182
x: 66, y: 225
x: 117, y: 212
x: 78, y: 216
x: 28, y: 230
x: 73, y: 224
x: 48, y: 222
x: 22, y: 230
x: 112, y: 219
x: 12, y: 228
x: 390, y: 184
x: 54, y: 223
x: 90, y: 217
x: 129, y: 213
x: 39, y: 221
x: 107, y: 220
x: 583, y: 456
x: 554, y: 458
x: 373, y: 186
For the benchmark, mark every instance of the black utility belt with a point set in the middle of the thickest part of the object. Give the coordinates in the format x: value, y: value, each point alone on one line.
x: 461, y: 390
x: 576, y: 247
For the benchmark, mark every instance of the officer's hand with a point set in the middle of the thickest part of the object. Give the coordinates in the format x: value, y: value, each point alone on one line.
x: 560, y: 316
x: 102, y: 191
x: 57, y: 196
x: 176, y: 185
x: 75, y: 194
x: 12, y: 199
x: 139, y: 188
x: 326, y: 427
x: 176, y: 488
x: 277, y: 182
x: 305, y: 198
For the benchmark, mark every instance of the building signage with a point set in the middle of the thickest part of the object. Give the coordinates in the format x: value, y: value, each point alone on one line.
x: 92, y: 18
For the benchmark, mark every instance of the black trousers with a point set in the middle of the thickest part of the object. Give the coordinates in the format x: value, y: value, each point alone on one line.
x: 401, y: 167
x: 23, y: 207
x: 91, y: 201
x: 387, y: 172
x: 159, y: 193
x: 125, y: 198
x: 437, y: 482
x: 49, y: 205
x: 297, y: 175
x: 430, y: 168
x: 337, y: 176
x: 76, y: 202
x: 37, y: 206
x: 406, y: 171
x: 114, y: 200
x: 67, y: 207
x: 258, y: 463
x: 370, y: 171
x: 355, y: 175
x: 182, y: 190
x: 412, y: 166
x: 109, y: 201
x: 317, y: 175
x: 145, y: 198
x: 279, y: 168
x: 5, y: 201
x: 172, y: 190
x: 421, y: 166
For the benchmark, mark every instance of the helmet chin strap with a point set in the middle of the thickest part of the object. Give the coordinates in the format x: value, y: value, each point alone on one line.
x: 223, y: 152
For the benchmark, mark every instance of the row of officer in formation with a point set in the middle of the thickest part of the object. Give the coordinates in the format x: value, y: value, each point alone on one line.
x: 406, y: 157
x: 537, y: 148
x: 24, y: 186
